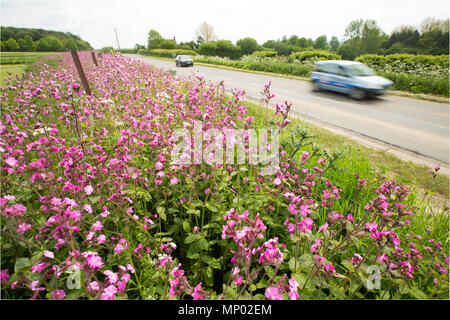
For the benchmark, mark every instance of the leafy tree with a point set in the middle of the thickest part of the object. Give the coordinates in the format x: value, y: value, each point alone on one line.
x: 334, y: 43
x: 207, y: 48
x: 349, y: 50
x: 293, y: 40
x: 167, y: 44
x: 12, y: 45
x: 248, y: 45
x: 154, y: 39
x: 321, y: 43
x: 271, y: 44
x: 55, y: 44
x: 371, y: 38
x: 71, y: 45
x: 43, y: 46
x: 354, y: 29
x: 27, y: 44
x: 226, y: 48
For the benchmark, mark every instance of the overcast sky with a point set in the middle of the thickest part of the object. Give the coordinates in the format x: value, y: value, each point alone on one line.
x: 94, y: 20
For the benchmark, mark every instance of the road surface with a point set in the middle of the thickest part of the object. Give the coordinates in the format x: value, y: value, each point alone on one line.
x: 415, y: 125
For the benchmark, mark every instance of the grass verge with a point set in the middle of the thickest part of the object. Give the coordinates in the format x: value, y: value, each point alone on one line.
x: 359, y: 158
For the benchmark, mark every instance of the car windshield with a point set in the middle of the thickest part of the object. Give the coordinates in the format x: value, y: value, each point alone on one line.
x: 185, y: 58
x: 359, y: 70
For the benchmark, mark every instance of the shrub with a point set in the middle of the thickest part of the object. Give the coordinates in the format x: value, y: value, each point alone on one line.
x: 128, y: 50
x: 424, y: 65
x: 169, y: 53
x: 264, y: 54
x: 314, y: 55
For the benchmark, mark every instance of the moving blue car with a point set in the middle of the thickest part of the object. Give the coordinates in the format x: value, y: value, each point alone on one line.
x: 350, y: 77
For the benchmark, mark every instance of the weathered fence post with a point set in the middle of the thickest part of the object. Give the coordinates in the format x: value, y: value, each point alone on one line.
x: 80, y: 70
x: 94, y: 58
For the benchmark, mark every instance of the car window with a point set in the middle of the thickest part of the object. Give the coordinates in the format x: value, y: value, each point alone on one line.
x: 323, y: 67
x: 359, y: 70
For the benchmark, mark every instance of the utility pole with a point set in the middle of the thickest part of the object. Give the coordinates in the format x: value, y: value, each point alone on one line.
x: 117, y: 39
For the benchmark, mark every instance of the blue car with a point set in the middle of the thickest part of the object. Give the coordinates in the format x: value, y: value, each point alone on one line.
x: 349, y: 77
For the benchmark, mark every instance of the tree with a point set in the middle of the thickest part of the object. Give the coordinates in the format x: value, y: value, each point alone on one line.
x: 349, y: 50
x: 334, y: 43
x: 371, y: 37
x: 354, y: 29
x: 12, y: 45
x: 363, y: 36
x: 27, y: 44
x: 321, y: 43
x: 154, y: 39
x: 55, y: 44
x: 207, y: 48
x: 226, y: 48
x: 271, y: 44
x: 71, y: 45
x: 43, y: 45
x: 205, y: 31
x: 293, y: 40
x: 429, y: 24
x: 248, y: 45
x: 167, y: 44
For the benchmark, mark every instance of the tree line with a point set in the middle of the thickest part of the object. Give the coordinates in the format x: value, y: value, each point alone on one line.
x: 361, y: 37
x: 26, y: 39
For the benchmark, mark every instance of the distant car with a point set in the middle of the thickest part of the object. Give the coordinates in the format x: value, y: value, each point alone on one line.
x: 350, y: 77
x: 183, y: 61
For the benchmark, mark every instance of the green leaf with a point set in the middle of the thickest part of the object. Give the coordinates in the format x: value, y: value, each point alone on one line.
x: 191, y: 238
x: 22, y: 264
x: 161, y: 212
x: 73, y: 295
x: 186, y: 226
x: 211, y: 207
x: 36, y: 256
x: 209, y: 277
x: 348, y: 265
x: 203, y: 244
x: 193, y: 249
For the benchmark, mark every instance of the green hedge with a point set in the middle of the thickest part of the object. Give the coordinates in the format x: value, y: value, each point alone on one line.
x: 265, y: 65
x: 167, y: 53
x: 264, y: 54
x: 128, y: 50
x: 418, y: 84
x: 314, y: 55
x: 415, y: 73
x: 410, y: 60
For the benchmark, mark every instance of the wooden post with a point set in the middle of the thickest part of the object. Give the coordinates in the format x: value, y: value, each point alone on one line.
x: 94, y: 58
x: 83, y: 79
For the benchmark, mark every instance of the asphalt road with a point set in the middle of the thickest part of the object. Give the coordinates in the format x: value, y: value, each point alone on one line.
x: 415, y: 125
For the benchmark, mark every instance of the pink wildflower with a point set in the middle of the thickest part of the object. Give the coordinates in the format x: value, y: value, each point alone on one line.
x: 109, y: 293
x: 273, y: 293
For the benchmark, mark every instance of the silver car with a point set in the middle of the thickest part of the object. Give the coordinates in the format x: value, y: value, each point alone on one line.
x: 349, y: 77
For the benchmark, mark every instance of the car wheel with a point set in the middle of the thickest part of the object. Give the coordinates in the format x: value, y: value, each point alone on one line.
x: 357, y: 94
x: 315, y: 86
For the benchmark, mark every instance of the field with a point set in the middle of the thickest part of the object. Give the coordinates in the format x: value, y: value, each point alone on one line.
x: 108, y: 197
x: 16, y: 63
